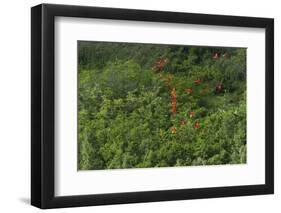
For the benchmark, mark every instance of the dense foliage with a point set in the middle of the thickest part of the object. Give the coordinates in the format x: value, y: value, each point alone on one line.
x: 144, y: 105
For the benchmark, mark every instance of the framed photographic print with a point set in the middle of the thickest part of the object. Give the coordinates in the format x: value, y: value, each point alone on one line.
x: 140, y: 106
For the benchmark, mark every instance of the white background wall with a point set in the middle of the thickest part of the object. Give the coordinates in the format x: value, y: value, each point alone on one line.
x: 15, y: 105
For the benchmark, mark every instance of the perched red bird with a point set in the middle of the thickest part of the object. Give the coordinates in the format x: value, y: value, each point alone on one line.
x: 191, y: 114
x: 169, y: 78
x: 196, y: 125
x: 173, y: 129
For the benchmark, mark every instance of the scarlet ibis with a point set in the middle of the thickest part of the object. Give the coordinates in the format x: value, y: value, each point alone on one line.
x: 173, y: 129
x: 191, y: 114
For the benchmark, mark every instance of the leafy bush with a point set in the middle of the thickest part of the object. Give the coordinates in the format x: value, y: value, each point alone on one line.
x: 157, y: 106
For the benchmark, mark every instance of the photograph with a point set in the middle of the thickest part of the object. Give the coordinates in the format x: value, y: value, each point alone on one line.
x: 144, y: 105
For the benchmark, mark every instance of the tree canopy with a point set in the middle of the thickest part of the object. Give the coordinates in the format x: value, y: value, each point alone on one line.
x: 148, y: 105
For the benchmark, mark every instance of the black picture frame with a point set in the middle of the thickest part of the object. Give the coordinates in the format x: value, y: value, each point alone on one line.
x: 43, y: 102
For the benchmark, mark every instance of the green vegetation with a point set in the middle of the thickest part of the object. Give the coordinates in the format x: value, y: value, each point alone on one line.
x: 144, y: 105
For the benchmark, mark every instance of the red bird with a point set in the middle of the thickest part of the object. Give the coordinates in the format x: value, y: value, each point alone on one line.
x: 196, y: 125
x: 191, y: 114
x: 169, y: 78
x: 173, y: 129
